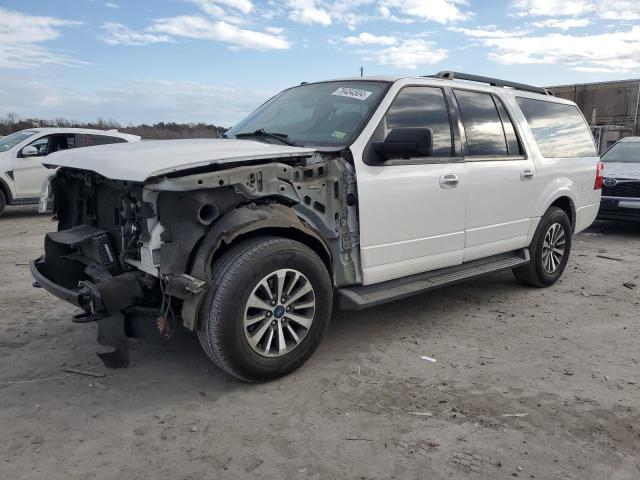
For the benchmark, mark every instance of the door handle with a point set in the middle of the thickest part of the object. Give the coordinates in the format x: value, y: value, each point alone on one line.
x: 526, y: 174
x: 449, y: 181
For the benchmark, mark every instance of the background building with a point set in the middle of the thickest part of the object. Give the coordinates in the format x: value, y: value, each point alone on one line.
x: 611, y: 108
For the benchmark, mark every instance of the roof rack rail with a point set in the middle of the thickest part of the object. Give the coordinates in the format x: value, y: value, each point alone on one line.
x: 495, y: 82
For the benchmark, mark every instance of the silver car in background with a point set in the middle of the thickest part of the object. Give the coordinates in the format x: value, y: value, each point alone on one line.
x: 621, y: 183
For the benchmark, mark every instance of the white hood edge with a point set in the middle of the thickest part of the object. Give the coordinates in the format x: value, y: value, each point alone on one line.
x: 141, y: 160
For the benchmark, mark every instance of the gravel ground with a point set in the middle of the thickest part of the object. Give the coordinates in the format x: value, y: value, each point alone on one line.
x: 527, y: 383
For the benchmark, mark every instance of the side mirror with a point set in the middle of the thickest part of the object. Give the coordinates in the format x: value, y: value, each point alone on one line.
x: 29, y: 151
x: 406, y: 142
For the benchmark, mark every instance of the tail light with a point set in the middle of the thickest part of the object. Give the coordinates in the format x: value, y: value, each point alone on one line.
x: 599, y: 176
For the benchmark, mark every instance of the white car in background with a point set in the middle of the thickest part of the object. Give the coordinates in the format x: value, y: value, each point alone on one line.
x: 23, y: 153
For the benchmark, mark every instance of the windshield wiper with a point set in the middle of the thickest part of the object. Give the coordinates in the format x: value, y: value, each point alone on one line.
x: 261, y: 132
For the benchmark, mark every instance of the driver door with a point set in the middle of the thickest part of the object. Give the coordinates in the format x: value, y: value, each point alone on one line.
x: 412, y: 210
x: 28, y: 171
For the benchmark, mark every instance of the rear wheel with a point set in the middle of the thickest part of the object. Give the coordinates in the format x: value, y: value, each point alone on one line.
x: 270, y: 305
x: 3, y: 202
x: 549, y: 250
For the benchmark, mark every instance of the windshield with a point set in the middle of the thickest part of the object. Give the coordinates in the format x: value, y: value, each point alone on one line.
x: 14, y: 139
x: 330, y: 114
x: 625, y: 152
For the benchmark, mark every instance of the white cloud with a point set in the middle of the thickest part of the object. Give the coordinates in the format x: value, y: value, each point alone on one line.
x: 366, y: 38
x: 240, y: 9
x: 440, y: 11
x: 612, y: 52
x: 111, y: 5
x: 490, y: 31
x: 562, y: 24
x: 356, y: 12
x: 618, y: 10
x: 307, y: 11
x: 621, y: 10
x: 217, y: 23
x: 275, y: 30
x: 552, y: 8
x: 193, y: 26
x: 214, y: 7
x: 384, y: 11
x: 351, y: 13
x: 592, y: 69
x: 21, y: 34
x: 410, y: 54
x: 118, y: 34
x: 137, y: 101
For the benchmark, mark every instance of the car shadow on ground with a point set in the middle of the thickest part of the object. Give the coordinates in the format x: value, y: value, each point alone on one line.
x: 612, y: 227
x: 20, y: 212
x: 427, y: 312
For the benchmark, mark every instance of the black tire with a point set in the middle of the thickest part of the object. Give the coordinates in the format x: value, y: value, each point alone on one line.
x: 3, y: 202
x: 235, y: 275
x: 534, y: 273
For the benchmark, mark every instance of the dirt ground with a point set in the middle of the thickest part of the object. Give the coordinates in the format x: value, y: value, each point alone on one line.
x: 527, y: 383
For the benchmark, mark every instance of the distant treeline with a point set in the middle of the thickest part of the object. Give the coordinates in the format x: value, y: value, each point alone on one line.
x: 12, y: 123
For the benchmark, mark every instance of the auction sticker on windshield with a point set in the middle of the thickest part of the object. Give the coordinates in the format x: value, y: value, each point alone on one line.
x: 352, y: 93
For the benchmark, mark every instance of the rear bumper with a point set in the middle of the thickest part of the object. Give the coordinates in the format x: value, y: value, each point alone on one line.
x: 619, y: 208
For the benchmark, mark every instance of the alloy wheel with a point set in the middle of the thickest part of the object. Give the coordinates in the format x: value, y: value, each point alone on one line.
x: 553, y: 248
x: 279, y: 312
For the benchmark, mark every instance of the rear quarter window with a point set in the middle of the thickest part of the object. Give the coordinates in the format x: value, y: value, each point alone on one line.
x: 559, y: 129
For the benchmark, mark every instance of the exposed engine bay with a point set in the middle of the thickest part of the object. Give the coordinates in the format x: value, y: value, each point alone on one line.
x: 136, y: 257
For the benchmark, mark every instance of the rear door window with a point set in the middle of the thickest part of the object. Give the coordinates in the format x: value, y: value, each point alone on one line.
x: 483, y: 126
x: 86, y: 140
x: 423, y: 107
x: 559, y: 129
x: 61, y: 142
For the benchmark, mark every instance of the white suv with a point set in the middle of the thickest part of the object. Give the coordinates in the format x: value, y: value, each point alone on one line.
x: 22, y: 154
x: 350, y: 192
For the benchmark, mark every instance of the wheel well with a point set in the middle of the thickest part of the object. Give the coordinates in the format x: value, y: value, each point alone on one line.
x: 569, y: 208
x: 290, y: 233
x: 5, y: 190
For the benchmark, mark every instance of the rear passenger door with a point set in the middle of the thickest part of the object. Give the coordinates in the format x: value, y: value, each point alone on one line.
x: 501, y: 177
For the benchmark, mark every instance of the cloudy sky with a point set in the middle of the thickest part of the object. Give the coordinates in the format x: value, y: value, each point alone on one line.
x: 215, y: 60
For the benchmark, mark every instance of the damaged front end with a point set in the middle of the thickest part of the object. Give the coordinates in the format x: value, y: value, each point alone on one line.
x: 85, y: 261
x: 136, y: 257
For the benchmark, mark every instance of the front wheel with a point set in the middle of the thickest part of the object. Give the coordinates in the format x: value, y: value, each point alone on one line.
x: 269, y: 306
x: 549, y: 250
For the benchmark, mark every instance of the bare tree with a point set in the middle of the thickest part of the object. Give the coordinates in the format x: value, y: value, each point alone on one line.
x: 162, y: 130
x: 12, y: 118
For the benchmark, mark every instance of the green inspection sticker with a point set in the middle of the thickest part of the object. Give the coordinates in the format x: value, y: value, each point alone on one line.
x: 339, y: 135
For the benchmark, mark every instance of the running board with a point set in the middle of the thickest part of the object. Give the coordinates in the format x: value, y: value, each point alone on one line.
x: 364, y: 296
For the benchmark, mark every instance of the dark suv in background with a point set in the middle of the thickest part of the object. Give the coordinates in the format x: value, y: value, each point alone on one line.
x: 621, y: 183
